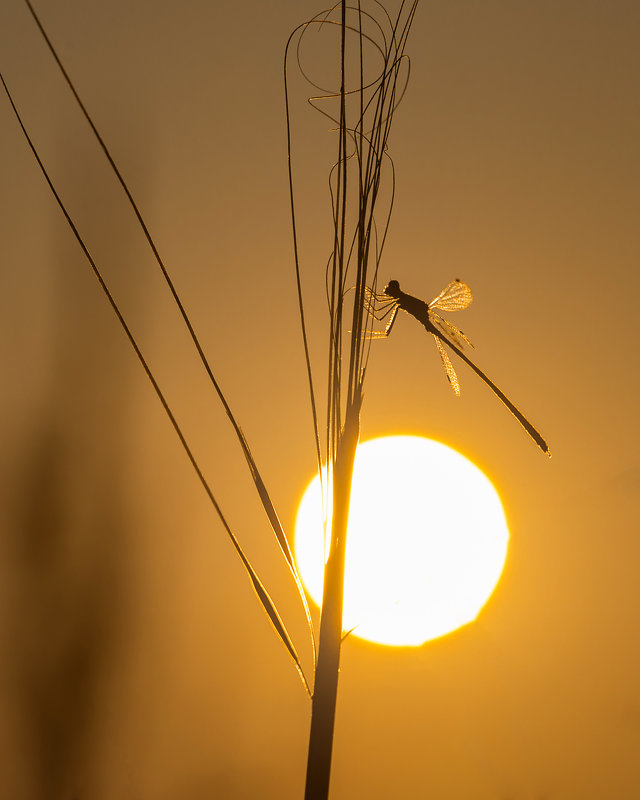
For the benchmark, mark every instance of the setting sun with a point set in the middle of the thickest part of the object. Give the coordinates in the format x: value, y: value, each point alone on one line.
x: 426, y: 545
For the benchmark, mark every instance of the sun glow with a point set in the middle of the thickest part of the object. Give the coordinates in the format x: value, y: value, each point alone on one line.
x: 427, y: 541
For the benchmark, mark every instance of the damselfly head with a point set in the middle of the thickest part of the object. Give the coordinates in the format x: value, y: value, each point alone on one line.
x: 392, y: 289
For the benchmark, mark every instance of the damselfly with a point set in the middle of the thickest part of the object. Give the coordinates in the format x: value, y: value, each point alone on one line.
x: 455, y: 296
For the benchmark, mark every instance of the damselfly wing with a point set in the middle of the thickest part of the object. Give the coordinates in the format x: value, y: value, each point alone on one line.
x: 456, y: 296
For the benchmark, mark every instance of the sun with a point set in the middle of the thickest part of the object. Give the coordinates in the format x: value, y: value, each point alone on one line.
x: 427, y: 541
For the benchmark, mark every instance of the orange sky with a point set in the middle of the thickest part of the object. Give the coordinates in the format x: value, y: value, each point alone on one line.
x: 137, y: 663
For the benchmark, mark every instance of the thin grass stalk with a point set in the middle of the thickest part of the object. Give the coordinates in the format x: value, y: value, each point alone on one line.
x: 323, y: 705
x: 263, y: 493
x: 362, y: 145
x: 323, y: 709
x: 261, y: 592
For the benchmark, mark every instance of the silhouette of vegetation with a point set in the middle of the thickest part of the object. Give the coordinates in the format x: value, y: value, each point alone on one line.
x: 362, y: 107
x: 372, y: 75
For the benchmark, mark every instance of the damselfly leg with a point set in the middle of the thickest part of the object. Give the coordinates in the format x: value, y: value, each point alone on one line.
x: 379, y: 306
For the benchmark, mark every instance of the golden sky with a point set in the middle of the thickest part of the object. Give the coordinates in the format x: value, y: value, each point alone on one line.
x: 136, y: 662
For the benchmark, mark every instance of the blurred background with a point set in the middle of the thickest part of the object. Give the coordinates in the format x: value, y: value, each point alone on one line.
x: 136, y: 662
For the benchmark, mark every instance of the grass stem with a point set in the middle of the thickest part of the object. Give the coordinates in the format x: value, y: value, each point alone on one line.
x: 323, y: 709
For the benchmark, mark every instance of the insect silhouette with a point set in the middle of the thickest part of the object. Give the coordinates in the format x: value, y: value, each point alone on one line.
x: 455, y: 296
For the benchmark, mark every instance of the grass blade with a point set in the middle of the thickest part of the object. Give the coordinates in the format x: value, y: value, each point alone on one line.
x: 265, y: 499
x: 261, y: 592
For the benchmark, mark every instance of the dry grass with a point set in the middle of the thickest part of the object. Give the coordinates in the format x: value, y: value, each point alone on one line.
x: 373, y: 72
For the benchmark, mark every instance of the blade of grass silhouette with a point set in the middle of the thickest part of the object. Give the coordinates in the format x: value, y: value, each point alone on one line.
x: 361, y: 147
x: 340, y: 455
x: 259, y: 588
x: 383, y: 111
x: 319, y: 19
x: 325, y: 690
x: 296, y: 256
x: 255, y: 474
